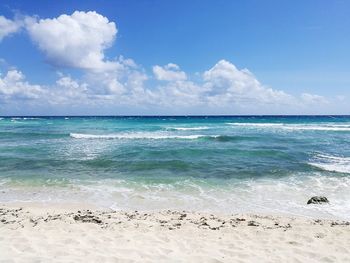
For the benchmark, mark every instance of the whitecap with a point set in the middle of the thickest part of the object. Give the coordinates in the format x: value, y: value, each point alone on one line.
x: 140, y: 135
x: 14, y: 119
x: 318, y: 128
x: 188, y: 128
x: 255, y: 124
x: 332, y: 163
x: 294, y: 127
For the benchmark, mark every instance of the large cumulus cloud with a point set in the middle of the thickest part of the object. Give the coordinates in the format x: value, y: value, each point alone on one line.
x: 76, y: 40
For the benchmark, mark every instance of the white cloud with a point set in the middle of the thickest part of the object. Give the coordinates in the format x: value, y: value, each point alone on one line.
x: 313, y: 99
x: 170, y: 72
x: 176, y: 93
x: 68, y: 90
x: 8, y: 26
x: 225, y: 84
x: 14, y: 85
x: 341, y: 98
x: 125, y: 79
x: 78, y: 40
x: 222, y: 89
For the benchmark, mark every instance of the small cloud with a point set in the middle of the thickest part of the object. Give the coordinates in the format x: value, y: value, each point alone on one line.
x: 8, y: 27
x: 14, y: 85
x: 169, y: 72
x: 226, y: 84
x: 313, y: 99
x: 341, y: 98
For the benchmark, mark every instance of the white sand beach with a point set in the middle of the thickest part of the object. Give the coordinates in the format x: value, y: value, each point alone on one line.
x: 67, y: 234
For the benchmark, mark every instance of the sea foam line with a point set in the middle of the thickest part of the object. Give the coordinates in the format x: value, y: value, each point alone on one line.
x: 136, y: 136
x: 188, y: 128
x: 322, y: 127
x: 255, y: 124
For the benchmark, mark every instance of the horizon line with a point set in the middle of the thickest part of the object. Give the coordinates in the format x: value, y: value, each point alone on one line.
x: 194, y: 115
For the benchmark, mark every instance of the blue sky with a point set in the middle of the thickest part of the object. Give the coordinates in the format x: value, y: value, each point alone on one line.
x: 174, y: 57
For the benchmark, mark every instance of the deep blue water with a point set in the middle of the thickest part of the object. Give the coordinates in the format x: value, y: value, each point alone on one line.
x: 228, y: 164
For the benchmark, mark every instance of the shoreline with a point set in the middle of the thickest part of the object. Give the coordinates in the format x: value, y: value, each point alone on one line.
x: 70, y: 234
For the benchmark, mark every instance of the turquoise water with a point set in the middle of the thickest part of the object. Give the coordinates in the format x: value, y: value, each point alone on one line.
x: 225, y: 164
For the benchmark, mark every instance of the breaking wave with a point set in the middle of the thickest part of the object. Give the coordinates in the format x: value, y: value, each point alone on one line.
x: 188, y: 128
x: 315, y: 127
x: 158, y: 136
x: 140, y: 135
x: 332, y: 163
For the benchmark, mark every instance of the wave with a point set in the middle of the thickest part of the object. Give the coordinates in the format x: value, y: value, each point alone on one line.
x: 158, y: 136
x: 25, y: 118
x: 321, y: 127
x: 35, y: 135
x: 229, y: 138
x: 188, y: 128
x: 135, y: 136
x: 255, y: 124
x: 332, y: 163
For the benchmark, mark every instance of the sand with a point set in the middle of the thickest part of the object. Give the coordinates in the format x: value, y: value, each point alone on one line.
x: 66, y: 234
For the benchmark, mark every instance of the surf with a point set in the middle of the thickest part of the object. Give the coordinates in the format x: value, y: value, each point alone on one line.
x: 331, y: 163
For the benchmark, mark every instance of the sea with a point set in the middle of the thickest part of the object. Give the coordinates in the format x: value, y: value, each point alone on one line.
x: 217, y: 164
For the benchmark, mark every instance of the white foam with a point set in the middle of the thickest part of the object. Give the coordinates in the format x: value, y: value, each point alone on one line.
x: 140, y: 135
x: 287, y: 195
x: 314, y: 127
x: 21, y: 119
x: 318, y: 128
x: 256, y: 124
x: 332, y: 163
x: 25, y: 118
x: 188, y: 128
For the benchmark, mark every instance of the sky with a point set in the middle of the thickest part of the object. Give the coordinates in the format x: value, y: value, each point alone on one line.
x: 162, y: 57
